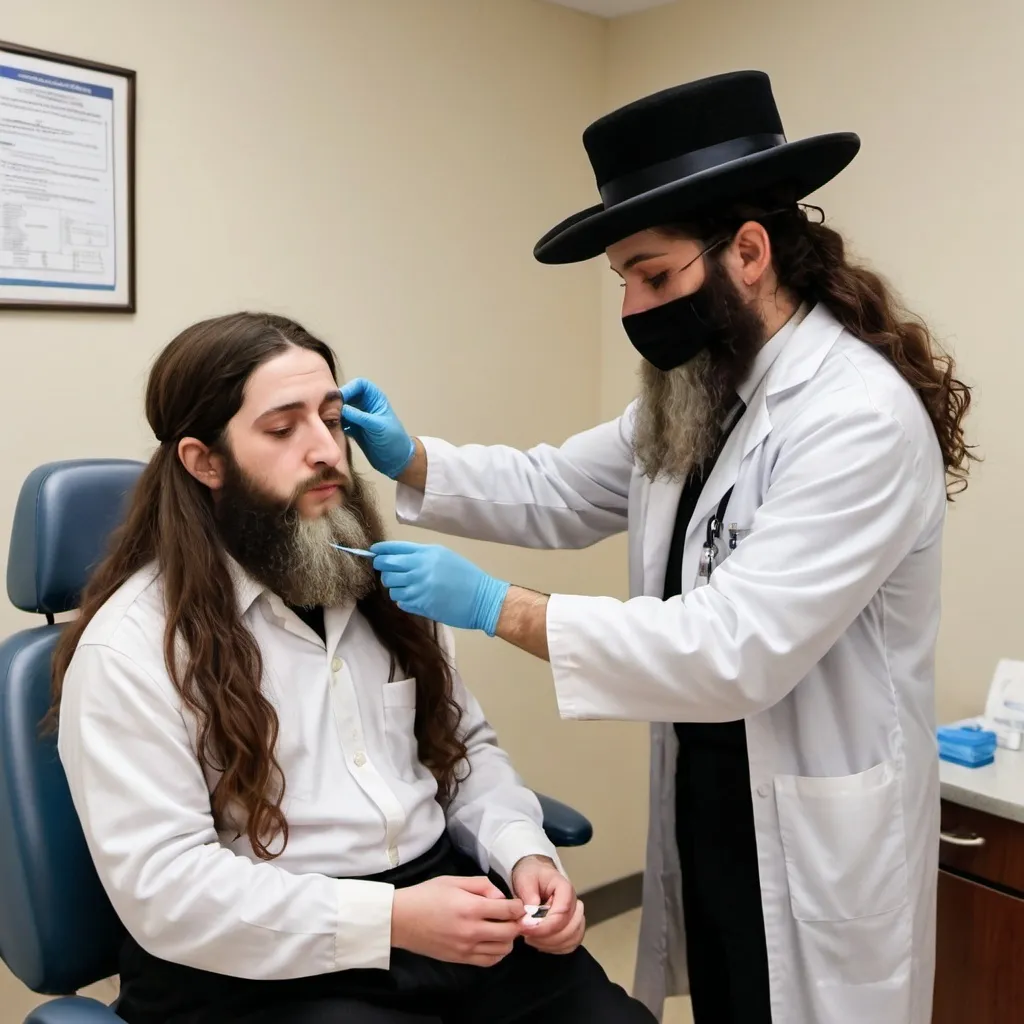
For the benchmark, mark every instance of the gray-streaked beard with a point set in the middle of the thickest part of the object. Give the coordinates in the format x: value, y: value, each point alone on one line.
x: 321, y: 575
x: 679, y: 416
x: 680, y: 413
x: 292, y: 555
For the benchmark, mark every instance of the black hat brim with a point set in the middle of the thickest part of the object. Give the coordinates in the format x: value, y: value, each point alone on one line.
x: 802, y: 167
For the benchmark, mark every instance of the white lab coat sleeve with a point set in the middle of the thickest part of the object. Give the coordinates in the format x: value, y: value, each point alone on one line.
x: 547, y: 497
x: 143, y: 802
x: 848, y: 497
x: 494, y: 817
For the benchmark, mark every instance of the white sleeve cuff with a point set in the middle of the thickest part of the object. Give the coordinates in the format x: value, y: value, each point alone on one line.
x: 363, y: 939
x: 570, y: 686
x: 408, y: 504
x: 412, y: 505
x: 517, y: 840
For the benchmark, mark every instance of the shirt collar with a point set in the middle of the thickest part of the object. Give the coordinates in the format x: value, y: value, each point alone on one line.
x: 247, y: 589
x: 768, y: 353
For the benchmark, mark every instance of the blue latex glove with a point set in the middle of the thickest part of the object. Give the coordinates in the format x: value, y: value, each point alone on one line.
x: 371, y: 422
x: 430, y: 580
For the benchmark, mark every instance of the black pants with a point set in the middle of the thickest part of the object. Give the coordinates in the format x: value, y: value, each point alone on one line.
x: 727, y: 957
x: 526, y: 986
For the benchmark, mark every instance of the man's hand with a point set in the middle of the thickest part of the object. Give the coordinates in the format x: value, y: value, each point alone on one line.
x: 458, y: 920
x: 432, y: 581
x: 537, y: 882
x: 371, y: 422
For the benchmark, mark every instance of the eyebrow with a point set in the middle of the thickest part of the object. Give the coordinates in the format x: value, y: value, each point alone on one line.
x: 640, y: 257
x: 330, y: 396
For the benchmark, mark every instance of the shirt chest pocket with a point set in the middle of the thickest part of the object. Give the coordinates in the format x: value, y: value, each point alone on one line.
x: 399, y: 700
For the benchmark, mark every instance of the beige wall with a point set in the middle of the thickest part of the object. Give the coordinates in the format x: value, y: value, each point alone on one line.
x: 933, y: 201
x: 379, y: 171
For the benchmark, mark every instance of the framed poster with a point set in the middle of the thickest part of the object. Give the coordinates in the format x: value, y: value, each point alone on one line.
x: 67, y: 183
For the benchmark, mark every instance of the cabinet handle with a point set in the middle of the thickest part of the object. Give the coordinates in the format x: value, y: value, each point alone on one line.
x: 962, y: 838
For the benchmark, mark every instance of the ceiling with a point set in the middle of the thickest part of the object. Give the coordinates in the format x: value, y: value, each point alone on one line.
x: 610, y: 8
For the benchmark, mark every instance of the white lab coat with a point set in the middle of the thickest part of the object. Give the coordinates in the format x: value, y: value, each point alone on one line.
x: 818, y: 629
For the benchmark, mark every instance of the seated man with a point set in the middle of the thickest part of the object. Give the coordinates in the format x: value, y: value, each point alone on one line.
x: 289, y: 795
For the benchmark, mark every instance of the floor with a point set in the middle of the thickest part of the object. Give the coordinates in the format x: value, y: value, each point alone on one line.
x: 613, y: 943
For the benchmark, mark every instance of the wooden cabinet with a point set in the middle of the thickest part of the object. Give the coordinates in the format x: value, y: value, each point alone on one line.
x: 979, y: 975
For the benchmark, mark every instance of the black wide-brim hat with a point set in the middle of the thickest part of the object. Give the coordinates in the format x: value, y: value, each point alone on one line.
x: 687, y: 150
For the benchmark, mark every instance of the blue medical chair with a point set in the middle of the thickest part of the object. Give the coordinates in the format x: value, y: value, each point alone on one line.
x: 58, y: 932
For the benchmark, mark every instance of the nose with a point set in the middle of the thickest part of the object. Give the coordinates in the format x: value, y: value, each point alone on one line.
x: 634, y: 302
x: 327, y: 448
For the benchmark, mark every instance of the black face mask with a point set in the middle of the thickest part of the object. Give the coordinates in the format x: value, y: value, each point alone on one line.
x: 675, y: 332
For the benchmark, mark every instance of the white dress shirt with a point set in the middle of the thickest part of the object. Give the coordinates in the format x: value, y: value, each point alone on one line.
x: 357, y: 800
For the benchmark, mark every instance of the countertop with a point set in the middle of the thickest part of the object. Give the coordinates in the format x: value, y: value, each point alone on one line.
x: 997, y: 789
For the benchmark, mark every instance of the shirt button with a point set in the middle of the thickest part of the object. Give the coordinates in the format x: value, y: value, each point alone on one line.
x: 393, y: 857
x: 763, y: 790
x: 360, y: 759
x: 336, y: 665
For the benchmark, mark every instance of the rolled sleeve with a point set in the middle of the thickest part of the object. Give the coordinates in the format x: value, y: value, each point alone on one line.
x: 517, y: 840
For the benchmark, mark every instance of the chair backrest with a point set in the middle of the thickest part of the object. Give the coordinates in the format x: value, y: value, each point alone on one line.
x: 58, y: 931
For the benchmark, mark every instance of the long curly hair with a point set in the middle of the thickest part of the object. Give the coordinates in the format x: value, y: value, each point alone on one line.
x: 810, y: 260
x: 195, y: 387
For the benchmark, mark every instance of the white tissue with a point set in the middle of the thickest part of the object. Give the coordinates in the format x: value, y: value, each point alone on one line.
x: 528, y: 919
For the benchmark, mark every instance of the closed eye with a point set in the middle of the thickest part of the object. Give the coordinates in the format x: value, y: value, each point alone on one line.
x: 330, y: 422
x: 655, y: 282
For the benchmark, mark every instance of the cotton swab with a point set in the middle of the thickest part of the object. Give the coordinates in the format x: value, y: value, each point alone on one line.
x: 359, y: 552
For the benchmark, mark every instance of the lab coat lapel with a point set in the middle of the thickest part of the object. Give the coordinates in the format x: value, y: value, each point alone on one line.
x: 659, y: 521
x: 796, y: 363
x: 753, y: 427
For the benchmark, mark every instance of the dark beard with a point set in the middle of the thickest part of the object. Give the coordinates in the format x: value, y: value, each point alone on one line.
x: 679, y: 413
x: 290, y: 555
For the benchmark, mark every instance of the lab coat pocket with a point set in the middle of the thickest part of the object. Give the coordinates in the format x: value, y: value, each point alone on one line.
x: 843, y: 841
x: 736, y: 534
x: 400, y: 726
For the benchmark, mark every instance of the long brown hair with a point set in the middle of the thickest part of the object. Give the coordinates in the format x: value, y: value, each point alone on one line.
x: 195, y: 387
x: 811, y: 261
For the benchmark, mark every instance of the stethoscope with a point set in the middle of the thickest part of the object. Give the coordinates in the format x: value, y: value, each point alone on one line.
x: 709, y: 552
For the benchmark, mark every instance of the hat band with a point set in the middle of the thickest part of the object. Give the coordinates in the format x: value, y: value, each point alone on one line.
x: 618, y: 190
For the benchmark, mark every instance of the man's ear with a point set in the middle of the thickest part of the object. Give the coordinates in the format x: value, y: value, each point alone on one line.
x: 205, y: 465
x: 754, y: 251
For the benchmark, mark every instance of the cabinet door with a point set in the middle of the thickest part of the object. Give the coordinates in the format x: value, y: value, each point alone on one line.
x: 999, y: 859
x: 979, y: 968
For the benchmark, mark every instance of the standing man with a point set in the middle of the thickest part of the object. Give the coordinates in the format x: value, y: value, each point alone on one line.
x: 783, y: 476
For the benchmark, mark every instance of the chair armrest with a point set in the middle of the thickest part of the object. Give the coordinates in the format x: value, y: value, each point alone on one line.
x: 72, y: 1010
x: 563, y: 825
